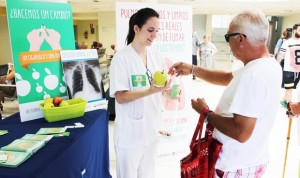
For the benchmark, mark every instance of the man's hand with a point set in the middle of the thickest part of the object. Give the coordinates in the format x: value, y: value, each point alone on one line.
x: 180, y: 68
x: 198, y: 104
x: 293, y: 108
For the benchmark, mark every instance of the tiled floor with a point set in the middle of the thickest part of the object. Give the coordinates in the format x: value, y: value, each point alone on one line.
x: 211, y: 93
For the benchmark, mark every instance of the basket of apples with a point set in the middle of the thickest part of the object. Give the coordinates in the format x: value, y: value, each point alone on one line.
x: 57, y: 109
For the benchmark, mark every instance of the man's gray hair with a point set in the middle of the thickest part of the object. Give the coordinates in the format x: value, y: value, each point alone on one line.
x: 252, y: 23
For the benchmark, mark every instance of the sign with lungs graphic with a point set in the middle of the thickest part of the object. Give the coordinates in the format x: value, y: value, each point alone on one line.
x: 38, y: 31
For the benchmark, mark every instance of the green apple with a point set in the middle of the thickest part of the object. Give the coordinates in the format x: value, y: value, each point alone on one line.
x: 48, y: 100
x: 48, y: 105
x: 160, y: 78
x: 63, y: 103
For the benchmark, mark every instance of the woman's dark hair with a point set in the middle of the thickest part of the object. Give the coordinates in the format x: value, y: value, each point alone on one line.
x: 139, y: 18
x: 94, y: 45
x: 286, y: 35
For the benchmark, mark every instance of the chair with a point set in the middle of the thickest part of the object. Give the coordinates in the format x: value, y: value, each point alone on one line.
x: 101, y: 52
x: 4, y: 70
x: 3, y: 73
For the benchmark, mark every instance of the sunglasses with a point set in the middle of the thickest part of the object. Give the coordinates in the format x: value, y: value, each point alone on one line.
x: 149, y: 76
x: 228, y: 35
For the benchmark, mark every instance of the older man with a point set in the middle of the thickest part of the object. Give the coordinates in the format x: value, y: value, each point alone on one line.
x: 247, y: 109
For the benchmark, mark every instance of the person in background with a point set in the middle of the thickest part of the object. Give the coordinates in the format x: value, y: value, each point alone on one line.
x: 246, y: 112
x: 285, y: 36
x: 113, y: 47
x: 288, y: 53
x: 95, y: 45
x: 99, y: 45
x: 207, y: 52
x: 138, y: 109
x: 77, y: 46
x: 195, y: 46
x: 84, y: 45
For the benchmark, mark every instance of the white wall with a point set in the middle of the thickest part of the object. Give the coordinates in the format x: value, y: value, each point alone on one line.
x: 290, y: 21
x: 199, y: 24
x: 5, y: 49
x: 209, y: 24
x: 107, y: 29
x: 84, y: 25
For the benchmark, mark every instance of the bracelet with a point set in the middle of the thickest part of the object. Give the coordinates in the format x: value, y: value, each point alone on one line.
x: 206, y: 118
x: 192, y: 70
x: 206, y: 111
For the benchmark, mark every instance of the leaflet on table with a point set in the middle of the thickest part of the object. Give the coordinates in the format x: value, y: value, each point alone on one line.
x: 36, y: 137
x: 3, y: 132
x: 77, y: 125
x: 29, y: 146
x: 65, y: 134
x: 56, y: 130
x: 13, y: 159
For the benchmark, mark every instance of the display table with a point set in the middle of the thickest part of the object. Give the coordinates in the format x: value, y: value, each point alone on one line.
x: 84, y: 154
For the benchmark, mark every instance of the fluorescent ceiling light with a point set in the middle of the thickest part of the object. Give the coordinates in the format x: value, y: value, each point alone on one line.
x: 262, y: 1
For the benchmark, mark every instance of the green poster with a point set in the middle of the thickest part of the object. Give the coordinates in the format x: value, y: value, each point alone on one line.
x: 38, y: 31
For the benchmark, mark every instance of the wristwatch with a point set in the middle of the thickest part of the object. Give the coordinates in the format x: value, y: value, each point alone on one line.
x: 206, y: 111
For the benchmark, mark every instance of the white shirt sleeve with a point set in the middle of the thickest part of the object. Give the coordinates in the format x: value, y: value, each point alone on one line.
x: 249, y: 96
x: 118, y: 74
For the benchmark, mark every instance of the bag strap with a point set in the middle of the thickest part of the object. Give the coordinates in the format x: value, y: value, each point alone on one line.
x: 198, y: 130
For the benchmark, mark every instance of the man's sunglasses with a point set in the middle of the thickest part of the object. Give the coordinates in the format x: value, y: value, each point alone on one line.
x: 228, y: 35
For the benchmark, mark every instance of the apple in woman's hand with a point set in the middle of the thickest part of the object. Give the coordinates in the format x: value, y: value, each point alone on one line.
x: 160, y: 78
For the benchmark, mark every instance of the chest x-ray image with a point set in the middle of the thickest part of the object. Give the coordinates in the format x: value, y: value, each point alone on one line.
x: 83, y: 79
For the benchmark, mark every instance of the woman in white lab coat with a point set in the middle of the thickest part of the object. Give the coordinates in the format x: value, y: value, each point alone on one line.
x: 138, y: 106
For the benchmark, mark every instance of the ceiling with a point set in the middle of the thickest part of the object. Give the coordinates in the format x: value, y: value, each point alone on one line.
x: 270, y: 7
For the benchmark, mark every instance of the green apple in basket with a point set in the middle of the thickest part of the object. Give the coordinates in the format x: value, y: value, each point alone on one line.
x: 48, y: 100
x: 160, y: 78
x: 63, y: 103
x: 48, y: 105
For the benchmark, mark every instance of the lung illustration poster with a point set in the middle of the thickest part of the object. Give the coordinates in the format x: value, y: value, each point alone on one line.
x: 83, y: 77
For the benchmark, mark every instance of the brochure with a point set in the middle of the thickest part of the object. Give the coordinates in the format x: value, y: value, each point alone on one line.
x: 56, y: 130
x: 65, y: 134
x: 13, y: 159
x: 3, y: 132
x: 36, y: 137
x: 29, y: 146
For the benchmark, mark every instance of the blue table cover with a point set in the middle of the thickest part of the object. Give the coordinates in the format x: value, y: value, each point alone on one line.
x: 84, y: 154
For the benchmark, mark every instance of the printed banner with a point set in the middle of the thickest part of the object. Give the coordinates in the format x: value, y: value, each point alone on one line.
x: 174, y: 41
x: 38, y: 30
x: 83, y: 77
